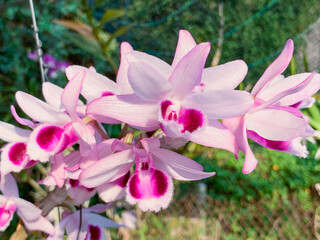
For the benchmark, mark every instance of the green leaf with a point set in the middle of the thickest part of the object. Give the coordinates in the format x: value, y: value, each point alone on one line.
x: 117, y: 33
x: 292, y: 66
x: 315, y: 112
x: 111, y: 14
x: 89, y: 45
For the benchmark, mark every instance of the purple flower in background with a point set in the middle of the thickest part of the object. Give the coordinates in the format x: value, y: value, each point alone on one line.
x: 54, y: 66
x: 62, y: 66
x: 50, y: 61
x: 33, y: 55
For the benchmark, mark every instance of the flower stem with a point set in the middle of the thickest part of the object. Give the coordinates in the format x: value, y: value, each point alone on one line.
x: 95, y: 32
x: 38, y: 42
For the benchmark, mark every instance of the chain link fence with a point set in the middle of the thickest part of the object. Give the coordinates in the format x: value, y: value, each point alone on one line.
x: 200, y: 217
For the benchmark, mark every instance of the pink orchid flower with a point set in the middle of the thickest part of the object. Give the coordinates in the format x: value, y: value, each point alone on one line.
x: 59, y: 124
x: 11, y: 203
x: 107, y: 190
x: 92, y: 224
x: 96, y: 85
x: 66, y: 170
x: 14, y: 155
x: 222, y: 77
x: 60, y: 176
x: 165, y: 96
x: 275, y: 121
x: 151, y: 184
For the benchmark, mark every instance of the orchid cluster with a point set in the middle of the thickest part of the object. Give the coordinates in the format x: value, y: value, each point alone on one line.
x: 159, y: 107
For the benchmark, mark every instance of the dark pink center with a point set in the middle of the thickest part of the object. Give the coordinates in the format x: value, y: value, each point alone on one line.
x: 160, y: 182
x: 296, y: 105
x: 191, y: 119
x: 49, y: 137
x: 122, y: 182
x: 106, y: 93
x: 133, y: 186
x: 6, y: 213
x: 95, y: 232
x: 144, y: 166
x: 17, y: 153
x: 276, y: 145
x: 164, y: 106
x: 74, y: 182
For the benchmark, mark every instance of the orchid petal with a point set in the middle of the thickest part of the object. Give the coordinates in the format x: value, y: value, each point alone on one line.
x: 48, y: 181
x: 9, y: 186
x: 224, y: 77
x: 188, y: 72
x: 70, y: 95
x: 185, y: 44
x: 293, y: 147
x: 40, y: 224
x: 7, y: 210
x: 85, y: 131
x: 309, y: 131
x: 111, y: 192
x: 59, y: 229
x: 237, y: 125
x: 14, y: 157
x: 11, y: 133
x: 95, y: 232
x: 178, y: 166
x: 52, y: 94
x: 72, y: 227
x: 275, y: 68
x: 150, y: 144
x: 58, y: 169
x: 79, y: 193
x: 160, y: 66
x: 105, y: 119
x: 312, y: 82
x: 147, y: 83
x: 22, y: 121
x: 94, y: 84
x: 39, y: 110
x: 27, y: 210
x: 281, y: 95
x: 107, y: 169
x: 103, y: 222
x: 219, y: 104
x: 122, y: 76
x: 152, y: 189
x: 276, y: 125
x: 99, y: 208
x: 214, y: 134
x: 45, y: 141
x: 127, y: 108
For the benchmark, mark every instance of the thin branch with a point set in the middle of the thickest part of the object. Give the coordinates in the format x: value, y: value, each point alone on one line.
x: 68, y: 205
x: 123, y: 131
x: 95, y: 124
x: 217, y: 54
x: 95, y: 32
x: 36, y: 186
x: 38, y: 42
x: 42, y: 169
x: 55, y: 197
x: 80, y: 223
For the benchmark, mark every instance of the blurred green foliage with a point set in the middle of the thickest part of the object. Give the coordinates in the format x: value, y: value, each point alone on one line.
x: 254, y: 31
x: 276, y: 175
